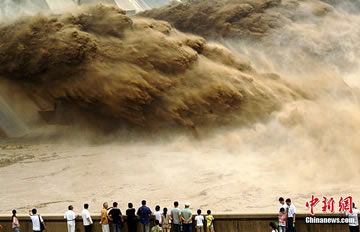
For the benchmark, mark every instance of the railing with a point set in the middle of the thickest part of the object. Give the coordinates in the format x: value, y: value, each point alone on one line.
x: 223, y: 223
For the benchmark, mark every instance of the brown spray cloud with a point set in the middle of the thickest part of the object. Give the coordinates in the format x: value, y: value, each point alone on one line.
x: 136, y: 71
x: 226, y: 18
x: 292, y: 34
x: 245, y: 19
x: 313, y: 43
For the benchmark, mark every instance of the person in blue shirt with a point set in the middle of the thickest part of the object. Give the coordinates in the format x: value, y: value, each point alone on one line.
x: 144, y: 214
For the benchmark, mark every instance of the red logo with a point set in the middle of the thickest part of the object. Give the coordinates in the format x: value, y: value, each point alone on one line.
x: 346, y: 204
x: 328, y: 204
x: 312, y: 203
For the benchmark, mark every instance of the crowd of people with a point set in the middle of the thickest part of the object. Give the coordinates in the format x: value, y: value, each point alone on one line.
x: 177, y: 220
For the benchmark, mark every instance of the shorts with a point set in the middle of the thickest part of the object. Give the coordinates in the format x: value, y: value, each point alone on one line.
x: 210, y: 229
x: 166, y: 226
x: 199, y: 228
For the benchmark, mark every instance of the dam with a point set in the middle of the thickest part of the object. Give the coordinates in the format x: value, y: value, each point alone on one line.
x: 240, y: 122
x: 11, y: 8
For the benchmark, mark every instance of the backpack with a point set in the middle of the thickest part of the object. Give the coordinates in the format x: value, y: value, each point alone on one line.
x: 42, y: 226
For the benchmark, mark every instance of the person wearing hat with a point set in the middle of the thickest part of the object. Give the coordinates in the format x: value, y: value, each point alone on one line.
x: 186, y: 218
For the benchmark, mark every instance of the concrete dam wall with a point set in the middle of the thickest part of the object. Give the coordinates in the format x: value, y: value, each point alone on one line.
x: 10, y: 8
x: 223, y: 223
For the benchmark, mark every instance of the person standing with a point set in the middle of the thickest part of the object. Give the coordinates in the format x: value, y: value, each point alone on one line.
x: 70, y: 219
x: 166, y: 220
x: 282, y: 220
x: 38, y: 224
x: 209, y: 222
x: 199, y: 221
x: 291, y: 215
x: 353, y: 219
x: 104, y: 220
x: 144, y: 213
x: 87, y: 221
x: 282, y: 204
x: 186, y: 218
x: 131, y: 218
x: 175, y: 217
x: 158, y: 214
x: 15, y: 225
x: 116, y: 217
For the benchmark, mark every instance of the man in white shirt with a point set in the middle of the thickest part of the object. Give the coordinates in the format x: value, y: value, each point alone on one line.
x: 291, y: 213
x: 354, y: 219
x: 70, y: 218
x: 199, y: 221
x: 87, y: 221
x: 37, y: 220
x: 282, y: 204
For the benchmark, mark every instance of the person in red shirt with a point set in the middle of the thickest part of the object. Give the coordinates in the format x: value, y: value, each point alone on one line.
x: 282, y: 220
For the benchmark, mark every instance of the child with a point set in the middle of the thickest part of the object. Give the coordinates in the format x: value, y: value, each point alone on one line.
x: 273, y: 227
x: 209, y: 222
x: 157, y: 227
x: 199, y: 221
x: 166, y: 220
x: 158, y: 214
x: 282, y: 220
x: 15, y: 222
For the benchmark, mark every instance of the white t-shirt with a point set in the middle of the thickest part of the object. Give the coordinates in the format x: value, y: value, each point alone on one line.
x: 199, y: 220
x: 158, y: 216
x: 36, y: 222
x: 291, y: 210
x: 274, y: 230
x: 283, y: 206
x: 70, y: 216
x: 354, y: 215
x: 86, y: 214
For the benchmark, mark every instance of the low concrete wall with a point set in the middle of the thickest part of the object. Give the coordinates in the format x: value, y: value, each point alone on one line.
x: 223, y: 223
